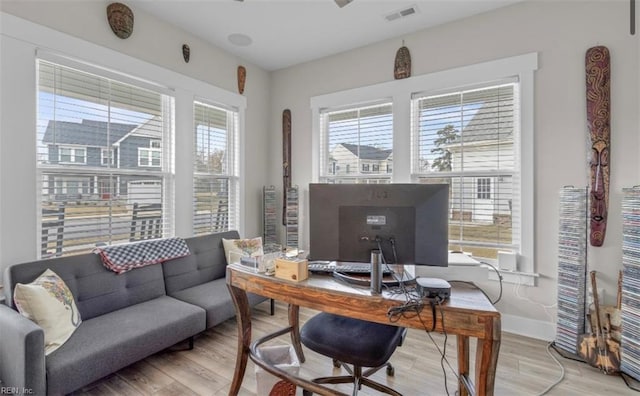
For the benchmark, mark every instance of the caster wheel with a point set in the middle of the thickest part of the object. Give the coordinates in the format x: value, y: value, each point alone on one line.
x: 390, y: 371
x: 336, y: 363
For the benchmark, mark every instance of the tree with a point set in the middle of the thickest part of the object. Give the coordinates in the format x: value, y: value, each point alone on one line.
x: 446, y: 135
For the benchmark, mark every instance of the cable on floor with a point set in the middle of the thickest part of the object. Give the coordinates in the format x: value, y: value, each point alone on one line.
x: 562, y: 371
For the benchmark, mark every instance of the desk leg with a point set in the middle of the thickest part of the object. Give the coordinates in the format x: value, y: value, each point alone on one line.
x: 294, y: 323
x: 463, y: 364
x: 243, y: 317
x: 486, y: 362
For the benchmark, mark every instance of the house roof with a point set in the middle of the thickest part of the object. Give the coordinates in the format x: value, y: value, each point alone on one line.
x: 488, y: 124
x: 86, y: 133
x: 368, y: 152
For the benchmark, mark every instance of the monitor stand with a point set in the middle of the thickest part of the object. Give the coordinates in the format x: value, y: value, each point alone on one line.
x: 365, y: 280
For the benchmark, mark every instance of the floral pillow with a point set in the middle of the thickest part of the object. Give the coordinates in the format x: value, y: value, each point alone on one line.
x: 48, y: 302
x: 242, y: 247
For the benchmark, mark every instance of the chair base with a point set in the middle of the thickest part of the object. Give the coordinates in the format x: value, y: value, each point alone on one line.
x: 358, y: 378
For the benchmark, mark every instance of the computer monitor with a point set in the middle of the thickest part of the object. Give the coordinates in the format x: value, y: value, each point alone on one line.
x: 347, y: 221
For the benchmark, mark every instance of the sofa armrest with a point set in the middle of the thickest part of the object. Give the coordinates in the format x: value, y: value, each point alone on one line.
x: 22, y: 360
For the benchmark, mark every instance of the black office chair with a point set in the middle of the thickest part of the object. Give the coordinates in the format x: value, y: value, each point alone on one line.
x: 356, y: 342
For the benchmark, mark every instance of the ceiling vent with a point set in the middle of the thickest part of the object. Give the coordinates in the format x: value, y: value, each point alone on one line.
x: 401, y: 13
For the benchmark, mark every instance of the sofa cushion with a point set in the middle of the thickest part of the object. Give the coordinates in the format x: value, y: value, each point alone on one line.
x: 214, y: 297
x: 206, y: 263
x: 48, y: 302
x: 109, y: 342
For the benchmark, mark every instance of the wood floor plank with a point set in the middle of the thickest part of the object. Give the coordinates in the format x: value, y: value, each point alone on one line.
x: 524, y: 367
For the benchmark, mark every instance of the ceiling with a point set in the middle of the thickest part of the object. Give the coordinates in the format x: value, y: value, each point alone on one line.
x: 288, y: 32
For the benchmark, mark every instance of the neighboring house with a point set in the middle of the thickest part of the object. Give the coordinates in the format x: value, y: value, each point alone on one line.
x: 351, y: 159
x: 485, y: 145
x: 100, y: 146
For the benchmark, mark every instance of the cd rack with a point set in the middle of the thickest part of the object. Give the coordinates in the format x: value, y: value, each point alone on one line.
x: 572, y: 268
x: 270, y: 219
x: 630, y: 312
x: 291, y: 218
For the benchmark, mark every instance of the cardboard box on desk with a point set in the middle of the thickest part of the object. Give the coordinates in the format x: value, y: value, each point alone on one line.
x: 292, y: 269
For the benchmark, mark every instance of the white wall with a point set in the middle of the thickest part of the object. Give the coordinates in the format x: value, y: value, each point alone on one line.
x: 560, y: 32
x: 153, y: 43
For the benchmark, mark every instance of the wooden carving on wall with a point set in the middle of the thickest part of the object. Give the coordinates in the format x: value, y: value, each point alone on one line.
x: 242, y: 78
x: 286, y: 160
x: 402, y: 66
x: 120, y: 19
x: 598, y: 76
x: 186, y: 52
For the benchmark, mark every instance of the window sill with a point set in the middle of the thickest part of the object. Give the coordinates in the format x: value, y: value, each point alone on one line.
x: 516, y: 277
x: 477, y: 273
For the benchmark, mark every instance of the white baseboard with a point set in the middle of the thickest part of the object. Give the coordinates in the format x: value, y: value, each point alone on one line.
x: 537, y: 329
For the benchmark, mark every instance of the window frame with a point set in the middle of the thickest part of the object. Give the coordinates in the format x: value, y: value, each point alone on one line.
x: 400, y: 92
x: 329, y: 165
x: 71, y: 180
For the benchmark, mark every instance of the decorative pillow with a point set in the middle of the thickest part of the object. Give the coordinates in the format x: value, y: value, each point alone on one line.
x: 243, y: 247
x: 49, y: 303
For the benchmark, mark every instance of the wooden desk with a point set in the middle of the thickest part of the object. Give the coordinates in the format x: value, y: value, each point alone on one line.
x: 468, y: 313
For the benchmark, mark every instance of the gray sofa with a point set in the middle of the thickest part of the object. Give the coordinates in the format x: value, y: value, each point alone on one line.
x: 125, y: 317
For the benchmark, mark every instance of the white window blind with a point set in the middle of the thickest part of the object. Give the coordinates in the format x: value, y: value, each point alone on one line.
x: 215, y: 179
x: 101, y: 179
x: 468, y: 139
x: 356, y: 144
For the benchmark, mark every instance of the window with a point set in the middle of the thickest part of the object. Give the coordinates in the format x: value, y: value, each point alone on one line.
x: 107, y: 157
x: 150, y: 156
x: 71, y: 155
x: 107, y: 136
x: 466, y: 138
x: 459, y: 125
x: 215, y: 178
x: 355, y: 135
x: 483, y: 185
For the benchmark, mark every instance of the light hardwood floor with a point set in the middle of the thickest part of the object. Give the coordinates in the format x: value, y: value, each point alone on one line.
x: 524, y: 367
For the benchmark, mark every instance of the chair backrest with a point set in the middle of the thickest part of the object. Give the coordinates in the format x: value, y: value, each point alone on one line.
x: 146, y: 222
x: 52, y: 226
